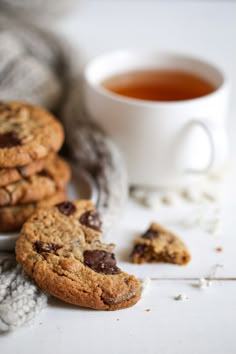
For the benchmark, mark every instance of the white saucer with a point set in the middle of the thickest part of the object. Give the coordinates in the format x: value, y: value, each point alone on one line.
x: 82, y: 186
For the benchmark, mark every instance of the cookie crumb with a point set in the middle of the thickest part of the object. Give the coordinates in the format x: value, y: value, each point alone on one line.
x: 148, y: 310
x: 181, y: 297
x: 219, y: 249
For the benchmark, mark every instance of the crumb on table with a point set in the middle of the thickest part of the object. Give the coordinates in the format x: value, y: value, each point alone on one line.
x: 219, y: 249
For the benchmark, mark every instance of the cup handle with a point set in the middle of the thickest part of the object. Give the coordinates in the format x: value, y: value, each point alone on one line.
x: 207, y: 130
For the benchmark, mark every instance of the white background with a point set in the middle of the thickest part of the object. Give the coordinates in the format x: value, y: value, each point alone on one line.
x: 206, y: 323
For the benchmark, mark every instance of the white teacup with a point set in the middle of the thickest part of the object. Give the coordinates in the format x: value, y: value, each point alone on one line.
x: 163, y: 143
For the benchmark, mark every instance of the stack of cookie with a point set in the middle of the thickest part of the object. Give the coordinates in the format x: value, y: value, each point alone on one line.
x: 31, y: 172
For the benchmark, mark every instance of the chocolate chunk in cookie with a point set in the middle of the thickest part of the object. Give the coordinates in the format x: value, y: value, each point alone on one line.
x: 159, y: 245
x: 139, y: 250
x: 48, y: 247
x: 68, y: 260
x: 9, y: 140
x: 67, y: 208
x: 101, y: 261
x: 91, y: 219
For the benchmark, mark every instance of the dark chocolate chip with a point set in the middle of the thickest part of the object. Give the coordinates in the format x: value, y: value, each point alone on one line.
x: 91, y: 219
x: 48, y: 247
x: 45, y: 173
x: 139, y: 249
x: 150, y: 234
x: 66, y: 208
x: 101, y: 262
x: 8, y: 140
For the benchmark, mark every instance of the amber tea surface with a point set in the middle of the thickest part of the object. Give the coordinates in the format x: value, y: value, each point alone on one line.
x: 158, y: 85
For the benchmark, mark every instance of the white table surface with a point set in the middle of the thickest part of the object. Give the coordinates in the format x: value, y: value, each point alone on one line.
x: 206, y: 322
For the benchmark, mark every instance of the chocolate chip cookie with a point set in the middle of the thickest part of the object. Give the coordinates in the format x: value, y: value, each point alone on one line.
x: 54, y: 176
x: 159, y: 245
x: 10, y: 175
x: 13, y: 217
x: 27, y: 133
x: 60, y: 249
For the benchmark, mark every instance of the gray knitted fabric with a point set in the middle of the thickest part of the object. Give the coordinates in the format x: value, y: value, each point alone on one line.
x: 38, y: 67
x: 20, y: 299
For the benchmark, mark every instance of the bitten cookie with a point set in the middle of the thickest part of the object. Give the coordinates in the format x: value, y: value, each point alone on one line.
x: 60, y: 249
x: 13, y: 217
x: 10, y: 175
x: 159, y: 245
x: 54, y: 176
x: 27, y: 133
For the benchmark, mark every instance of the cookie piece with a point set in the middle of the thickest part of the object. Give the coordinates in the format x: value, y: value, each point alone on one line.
x: 12, y: 218
x: 10, y: 175
x: 45, y: 183
x: 159, y: 245
x: 27, y: 133
x: 60, y: 249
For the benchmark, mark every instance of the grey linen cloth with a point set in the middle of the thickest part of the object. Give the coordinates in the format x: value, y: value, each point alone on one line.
x: 39, y: 67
